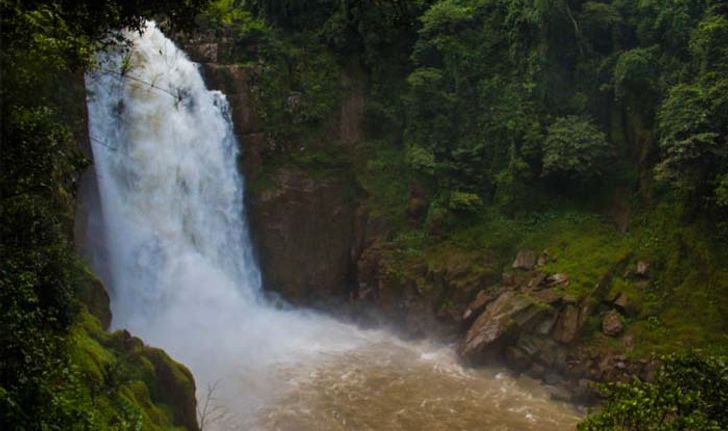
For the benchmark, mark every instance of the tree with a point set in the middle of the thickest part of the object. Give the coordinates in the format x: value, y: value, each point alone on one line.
x: 575, y: 148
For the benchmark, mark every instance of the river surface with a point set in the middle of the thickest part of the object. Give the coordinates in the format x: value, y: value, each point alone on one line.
x: 182, y: 275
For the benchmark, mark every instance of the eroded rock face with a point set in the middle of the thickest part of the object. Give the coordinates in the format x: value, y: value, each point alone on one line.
x: 531, y: 323
x: 308, y: 234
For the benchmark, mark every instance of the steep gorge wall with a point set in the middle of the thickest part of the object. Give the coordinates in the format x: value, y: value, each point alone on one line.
x: 307, y: 227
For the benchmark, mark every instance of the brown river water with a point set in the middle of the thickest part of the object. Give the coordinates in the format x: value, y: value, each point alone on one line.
x: 394, y: 385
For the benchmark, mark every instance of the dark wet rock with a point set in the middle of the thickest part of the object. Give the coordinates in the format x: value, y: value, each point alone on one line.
x: 517, y: 359
x: 203, y: 52
x: 612, y: 323
x: 553, y: 379
x: 97, y: 301
x: 547, y: 323
x: 583, y: 391
x: 525, y: 259
x: 537, y: 371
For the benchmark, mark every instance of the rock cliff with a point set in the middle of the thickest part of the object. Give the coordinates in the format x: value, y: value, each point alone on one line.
x: 307, y: 225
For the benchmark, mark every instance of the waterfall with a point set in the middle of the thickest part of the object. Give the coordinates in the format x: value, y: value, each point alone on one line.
x: 182, y: 272
x: 182, y: 275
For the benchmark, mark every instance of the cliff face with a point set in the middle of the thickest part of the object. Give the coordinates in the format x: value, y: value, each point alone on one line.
x: 307, y: 226
x: 307, y: 234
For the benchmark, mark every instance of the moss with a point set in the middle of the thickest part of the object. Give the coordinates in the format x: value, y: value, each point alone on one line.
x: 123, y: 381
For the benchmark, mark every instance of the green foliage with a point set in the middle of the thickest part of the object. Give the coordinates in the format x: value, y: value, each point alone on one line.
x: 692, y: 130
x: 420, y: 160
x: 690, y: 392
x: 464, y: 202
x: 635, y: 72
x: 575, y: 148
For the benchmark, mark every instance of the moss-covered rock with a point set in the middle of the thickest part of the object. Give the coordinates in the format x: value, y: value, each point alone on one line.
x: 129, y: 382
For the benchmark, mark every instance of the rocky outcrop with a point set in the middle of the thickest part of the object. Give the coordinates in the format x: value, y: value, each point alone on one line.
x: 533, y: 324
x: 151, y: 378
x: 500, y: 323
x: 423, y: 298
x: 174, y: 386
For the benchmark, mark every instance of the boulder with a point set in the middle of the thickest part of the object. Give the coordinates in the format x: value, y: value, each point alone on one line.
x: 643, y: 268
x: 622, y: 304
x: 501, y: 322
x: 525, y: 259
x: 537, y: 371
x: 567, y: 325
x: 612, y: 323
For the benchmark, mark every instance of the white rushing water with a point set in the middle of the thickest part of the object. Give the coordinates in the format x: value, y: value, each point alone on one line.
x: 182, y: 274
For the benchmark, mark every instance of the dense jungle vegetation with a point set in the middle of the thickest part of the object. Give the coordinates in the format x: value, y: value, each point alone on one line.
x: 597, y: 129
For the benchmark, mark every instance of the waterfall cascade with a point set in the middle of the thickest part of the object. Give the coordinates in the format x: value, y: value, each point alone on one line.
x: 182, y: 275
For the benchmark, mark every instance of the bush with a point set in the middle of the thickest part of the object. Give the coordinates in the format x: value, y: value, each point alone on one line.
x: 690, y: 392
